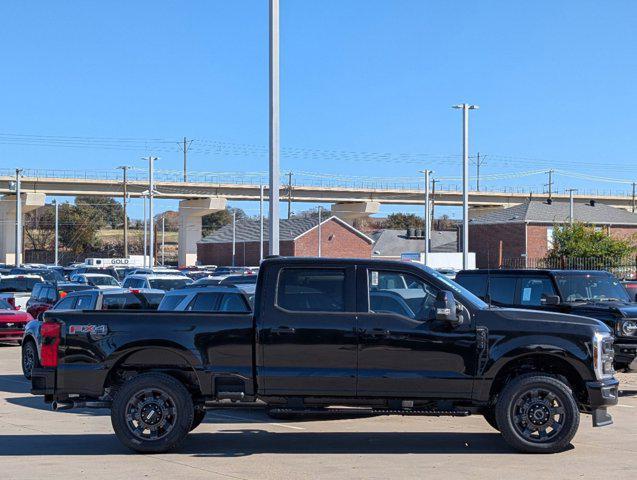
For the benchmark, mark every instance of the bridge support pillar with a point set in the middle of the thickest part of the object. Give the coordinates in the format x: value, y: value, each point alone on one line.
x: 190, y: 213
x: 351, y: 211
x: 30, y: 201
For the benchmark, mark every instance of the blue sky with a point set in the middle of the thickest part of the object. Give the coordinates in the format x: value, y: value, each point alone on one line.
x: 555, y: 82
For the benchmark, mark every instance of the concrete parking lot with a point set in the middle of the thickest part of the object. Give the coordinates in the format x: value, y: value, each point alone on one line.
x: 38, y: 443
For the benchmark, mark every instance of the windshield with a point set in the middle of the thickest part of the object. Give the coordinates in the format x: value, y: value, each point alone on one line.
x: 454, y: 287
x: 169, y: 283
x: 589, y: 287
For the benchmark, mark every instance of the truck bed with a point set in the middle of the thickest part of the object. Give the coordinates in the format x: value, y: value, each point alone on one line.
x: 216, y: 348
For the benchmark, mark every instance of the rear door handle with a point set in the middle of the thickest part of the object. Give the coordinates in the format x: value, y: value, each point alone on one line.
x: 283, y: 329
x: 379, y: 332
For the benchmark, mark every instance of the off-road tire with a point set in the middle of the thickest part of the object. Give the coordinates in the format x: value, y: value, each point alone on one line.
x: 29, y: 350
x: 171, y: 393
x: 546, y: 390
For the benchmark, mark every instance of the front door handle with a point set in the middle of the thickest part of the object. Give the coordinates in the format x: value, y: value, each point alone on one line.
x: 283, y: 329
x: 379, y: 332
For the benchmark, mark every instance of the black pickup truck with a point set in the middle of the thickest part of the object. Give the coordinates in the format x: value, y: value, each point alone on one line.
x: 588, y: 293
x: 377, y: 337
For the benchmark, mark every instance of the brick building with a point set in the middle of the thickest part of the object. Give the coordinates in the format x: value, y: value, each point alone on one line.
x: 298, y: 238
x: 525, y: 231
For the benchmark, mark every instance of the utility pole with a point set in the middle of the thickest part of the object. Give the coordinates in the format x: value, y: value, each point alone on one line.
x: 57, y: 234
x: 634, y: 196
x: 550, y: 184
x: 289, y: 194
x: 479, y: 162
x: 570, y: 204
x: 320, y: 236
x: 234, y: 237
x: 18, y: 219
x: 427, y: 217
x: 184, y: 148
x: 145, y: 233
x: 274, y: 139
x: 465, y: 181
x: 163, y: 239
x: 125, y: 199
x: 261, y: 223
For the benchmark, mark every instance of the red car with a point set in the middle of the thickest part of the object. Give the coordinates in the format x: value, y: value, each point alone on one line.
x: 12, y: 322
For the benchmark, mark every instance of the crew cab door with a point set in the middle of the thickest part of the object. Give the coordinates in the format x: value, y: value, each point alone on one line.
x: 403, y: 350
x: 306, y: 331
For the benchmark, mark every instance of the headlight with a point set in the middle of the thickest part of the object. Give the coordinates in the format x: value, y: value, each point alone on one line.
x: 603, y: 355
x: 627, y: 328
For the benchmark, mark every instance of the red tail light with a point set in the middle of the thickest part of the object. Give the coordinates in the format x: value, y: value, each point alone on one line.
x: 50, y: 333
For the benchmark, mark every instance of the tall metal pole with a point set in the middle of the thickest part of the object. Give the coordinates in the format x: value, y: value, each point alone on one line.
x: 151, y: 216
x: 427, y: 217
x: 57, y: 234
x: 571, y: 215
x: 320, y: 236
x: 163, y: 239
x: 274, y: 128
x: 145, y: 233
x: 465, y: 181
x: 185, y: 159
x: 260, y: 223
x: 125, y: 201
x: 634, y: 196
x: 18, y: 219
x: 234, y: 237
x: 289, y: 194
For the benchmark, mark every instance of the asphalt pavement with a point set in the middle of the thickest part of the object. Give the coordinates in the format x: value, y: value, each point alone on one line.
x: 36, y: 443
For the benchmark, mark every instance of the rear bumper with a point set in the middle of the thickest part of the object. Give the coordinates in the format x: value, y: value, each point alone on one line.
x: 602, y: 394
x: 43, y: 381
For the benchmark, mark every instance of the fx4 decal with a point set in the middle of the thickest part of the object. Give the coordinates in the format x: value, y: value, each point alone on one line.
x: 90, y: 329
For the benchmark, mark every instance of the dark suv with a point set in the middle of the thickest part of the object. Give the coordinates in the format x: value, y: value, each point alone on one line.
x: 596, y: 294
x: 45, y: 295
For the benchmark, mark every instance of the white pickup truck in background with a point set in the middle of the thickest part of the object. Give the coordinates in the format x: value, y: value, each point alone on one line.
x: 16, y: 289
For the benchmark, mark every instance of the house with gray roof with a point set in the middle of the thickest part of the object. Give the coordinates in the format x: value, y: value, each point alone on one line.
x: 513, y: 235
x: 298, y: 236
x: 390, y: 244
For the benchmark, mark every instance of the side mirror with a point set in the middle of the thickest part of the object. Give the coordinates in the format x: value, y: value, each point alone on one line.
x: 445, y: 306
x: 550, y: 299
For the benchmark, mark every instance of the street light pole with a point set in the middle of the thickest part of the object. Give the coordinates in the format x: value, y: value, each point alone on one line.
x: 163, y: 239
x: 570, y: 205
x: 234, y: 237
x: 427, y: 217
x: 320, y: 211
x: 57, y: 235
x: 465, y: 181
x: 145, y: 233
x: 125, y: 201
x: 18, y: 219
x: 274, y: 129
x: 260, y: 223
x: 151, y: 219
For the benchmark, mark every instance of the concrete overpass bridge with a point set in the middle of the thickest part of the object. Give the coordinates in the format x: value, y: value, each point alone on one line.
x: 204, y: 193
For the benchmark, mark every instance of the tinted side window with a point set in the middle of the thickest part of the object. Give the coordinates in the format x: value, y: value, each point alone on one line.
x: 476, y: 284
x: 36, y: 292
x: 84, y: 302
x: 50, y: 295
x: 311, y: 290
x: 502, y: 289
x: 533, y: 290
x: 401, y: 293
x: 204, y: 302
x: 65, y: 304
x: 170, y: 302
x: 121, y: 301
x: 233, y: 302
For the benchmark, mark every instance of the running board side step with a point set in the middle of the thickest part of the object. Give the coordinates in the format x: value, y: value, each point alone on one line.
x: 365, y: 412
